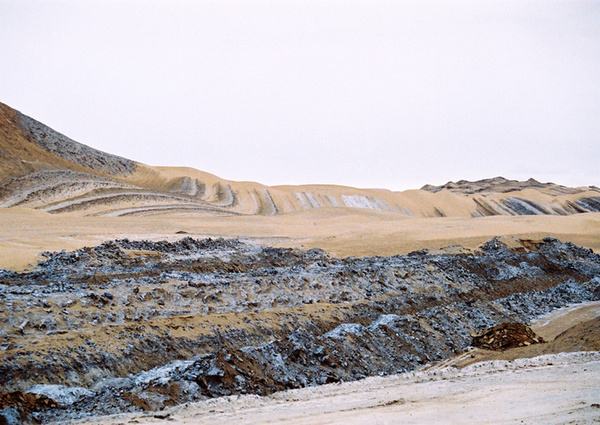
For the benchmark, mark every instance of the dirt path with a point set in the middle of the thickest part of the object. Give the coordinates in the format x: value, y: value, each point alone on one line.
x: 526, y: 390
x: 539, y: 390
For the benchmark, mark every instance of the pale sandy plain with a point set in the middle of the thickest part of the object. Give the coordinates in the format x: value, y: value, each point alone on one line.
x: 25, y: 233
x: 549, y: 389
x: 60, y: 194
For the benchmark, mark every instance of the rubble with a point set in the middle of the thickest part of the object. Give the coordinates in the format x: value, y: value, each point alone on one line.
x: 506, y: 335
x: 60, y: 394
x: 141, y: 325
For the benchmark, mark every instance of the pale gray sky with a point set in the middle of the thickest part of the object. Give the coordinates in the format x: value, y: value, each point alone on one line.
x: 367, y: 93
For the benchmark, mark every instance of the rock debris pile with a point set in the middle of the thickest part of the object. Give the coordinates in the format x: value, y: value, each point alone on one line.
x: 506, y: 335
x: 139, y: 325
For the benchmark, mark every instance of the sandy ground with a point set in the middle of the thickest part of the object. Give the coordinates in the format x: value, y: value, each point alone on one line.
x: 555, y: 323
x: 25, y: 233
x: 580, y: 319
x: 558, y: 388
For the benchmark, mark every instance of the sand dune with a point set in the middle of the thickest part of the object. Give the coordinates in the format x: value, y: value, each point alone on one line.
x: 57, y: 193
x: 43, y: 169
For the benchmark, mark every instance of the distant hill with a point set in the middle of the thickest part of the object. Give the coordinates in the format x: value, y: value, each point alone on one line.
x: 503, y: 185
x: 43, y: 169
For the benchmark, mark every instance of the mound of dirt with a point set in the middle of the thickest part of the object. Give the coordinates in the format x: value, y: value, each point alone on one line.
x: 506, y: 335
x: 584, y: 336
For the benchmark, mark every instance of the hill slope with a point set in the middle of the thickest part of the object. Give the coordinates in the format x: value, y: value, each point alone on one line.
x: 43, y: 169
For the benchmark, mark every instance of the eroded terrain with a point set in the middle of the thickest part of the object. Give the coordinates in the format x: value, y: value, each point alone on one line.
x: 138, y: 325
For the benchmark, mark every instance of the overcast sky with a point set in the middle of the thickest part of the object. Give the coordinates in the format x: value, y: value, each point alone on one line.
x: 368, y: 93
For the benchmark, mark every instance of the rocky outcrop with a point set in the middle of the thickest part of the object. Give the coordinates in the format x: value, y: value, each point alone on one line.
x: 502, y: 185
x: 68, y: 149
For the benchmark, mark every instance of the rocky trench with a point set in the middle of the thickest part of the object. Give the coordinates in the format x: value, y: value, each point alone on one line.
x: 138, y: 325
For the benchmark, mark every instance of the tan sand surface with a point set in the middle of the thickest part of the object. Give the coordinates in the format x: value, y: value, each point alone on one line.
x: 25, y: 233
